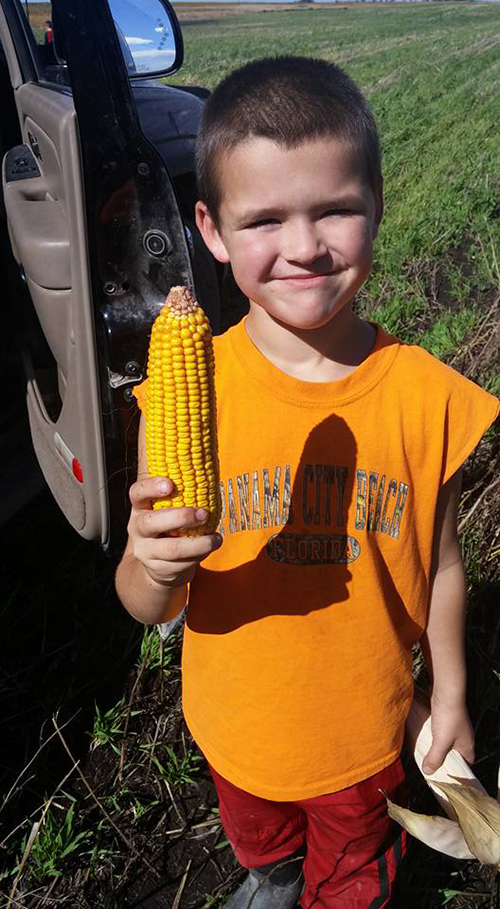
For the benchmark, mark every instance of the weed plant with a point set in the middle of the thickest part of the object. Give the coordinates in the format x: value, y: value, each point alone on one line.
x: 56, y: 839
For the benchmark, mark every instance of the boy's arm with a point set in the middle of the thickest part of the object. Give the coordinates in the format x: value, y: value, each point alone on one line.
x: 152, y: 577
x: 443, y: 642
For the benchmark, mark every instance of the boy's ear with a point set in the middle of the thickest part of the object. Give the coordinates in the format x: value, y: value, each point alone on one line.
x: 379, y: 208
x: 210, y: 233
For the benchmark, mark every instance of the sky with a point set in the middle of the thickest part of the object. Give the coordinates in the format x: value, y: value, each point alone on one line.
x: 282, y: 1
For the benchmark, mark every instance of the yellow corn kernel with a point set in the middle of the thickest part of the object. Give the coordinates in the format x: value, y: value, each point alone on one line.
x: 181, y: 428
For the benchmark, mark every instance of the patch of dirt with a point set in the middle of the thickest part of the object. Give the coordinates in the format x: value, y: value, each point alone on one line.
x: 440, y: 287
x: 434, y: 279
x: 206, y: 12
x: 175, y: 849
x: 479, y: 355
x: 65, y: 642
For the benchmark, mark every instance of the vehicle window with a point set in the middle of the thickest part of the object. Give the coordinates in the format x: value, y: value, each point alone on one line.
x: 44, y: 43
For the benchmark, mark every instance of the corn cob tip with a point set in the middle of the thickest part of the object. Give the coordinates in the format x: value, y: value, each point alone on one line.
x: 180, y: 301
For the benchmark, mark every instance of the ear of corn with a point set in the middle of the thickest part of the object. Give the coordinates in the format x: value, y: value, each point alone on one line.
x: 181, y: 433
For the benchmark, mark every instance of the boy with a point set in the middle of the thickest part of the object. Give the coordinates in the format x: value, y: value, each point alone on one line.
x: 340, y: 454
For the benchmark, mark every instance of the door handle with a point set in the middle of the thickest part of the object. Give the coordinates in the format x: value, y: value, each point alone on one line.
x: 37, y: 227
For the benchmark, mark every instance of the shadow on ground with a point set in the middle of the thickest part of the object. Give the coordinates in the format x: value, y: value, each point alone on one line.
x: 65, y: 643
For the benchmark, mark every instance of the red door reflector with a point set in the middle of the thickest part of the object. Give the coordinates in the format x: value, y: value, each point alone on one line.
x: 73, y: 464
x: 77, y: 470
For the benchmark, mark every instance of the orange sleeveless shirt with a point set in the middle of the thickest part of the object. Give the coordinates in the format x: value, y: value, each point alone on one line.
x: 297, y: 648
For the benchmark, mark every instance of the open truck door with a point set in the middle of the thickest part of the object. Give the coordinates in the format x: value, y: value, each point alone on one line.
x: 98, y: 237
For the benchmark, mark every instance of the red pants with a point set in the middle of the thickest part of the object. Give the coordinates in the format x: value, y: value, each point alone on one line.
x: 353, y: 848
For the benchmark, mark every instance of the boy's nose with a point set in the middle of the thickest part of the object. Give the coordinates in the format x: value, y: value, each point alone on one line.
x: 303, y: 244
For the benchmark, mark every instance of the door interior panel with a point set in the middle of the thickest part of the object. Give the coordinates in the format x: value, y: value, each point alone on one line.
x: 38, y: 229
x: 42, y: 145
x: 20, y: 477
x: 64, y: 486
x: 54, y: 310
x: 47, y: 228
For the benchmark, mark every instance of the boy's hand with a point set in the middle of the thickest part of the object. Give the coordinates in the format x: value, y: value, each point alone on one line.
x: 168, y: 559
x: 451, y: 728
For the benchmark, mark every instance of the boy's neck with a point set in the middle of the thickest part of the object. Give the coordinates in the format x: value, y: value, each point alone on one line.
x: 323, y: 354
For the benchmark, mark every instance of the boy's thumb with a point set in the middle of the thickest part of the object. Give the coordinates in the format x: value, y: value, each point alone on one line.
x: 433, y: 759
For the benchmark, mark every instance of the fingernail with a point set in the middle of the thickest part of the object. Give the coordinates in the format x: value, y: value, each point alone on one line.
x: 164, y: 486
x: 426, y: 768
x: 201, y: 514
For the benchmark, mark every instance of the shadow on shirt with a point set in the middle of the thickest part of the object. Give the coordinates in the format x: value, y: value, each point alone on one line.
x: 302, y: 567
x: 306, y: 565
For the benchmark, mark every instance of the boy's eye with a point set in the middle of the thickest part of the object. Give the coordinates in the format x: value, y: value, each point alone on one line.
x: 263, y: 222
x: 337, y: 211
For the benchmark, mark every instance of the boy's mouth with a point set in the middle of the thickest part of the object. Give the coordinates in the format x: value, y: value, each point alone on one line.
x: 310, y: 278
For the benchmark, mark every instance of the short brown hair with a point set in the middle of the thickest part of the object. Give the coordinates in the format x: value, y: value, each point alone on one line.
x: 289, y: 100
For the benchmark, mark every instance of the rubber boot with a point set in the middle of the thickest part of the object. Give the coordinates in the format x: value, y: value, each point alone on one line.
x: 274, y: 886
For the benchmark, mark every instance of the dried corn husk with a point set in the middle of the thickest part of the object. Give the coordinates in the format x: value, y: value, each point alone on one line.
x: 473, y: 830
x: 479, y: 819
x: 437, y: 832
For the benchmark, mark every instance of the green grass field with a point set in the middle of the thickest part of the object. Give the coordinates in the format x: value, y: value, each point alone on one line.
x: 38, y: 13
x: 145, y: 820
x: 432, y: 75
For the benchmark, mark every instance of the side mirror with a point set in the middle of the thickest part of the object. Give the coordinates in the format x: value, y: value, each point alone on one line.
x: 149, y: 36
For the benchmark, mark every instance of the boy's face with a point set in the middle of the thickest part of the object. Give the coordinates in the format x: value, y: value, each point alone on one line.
x: 297, y: 226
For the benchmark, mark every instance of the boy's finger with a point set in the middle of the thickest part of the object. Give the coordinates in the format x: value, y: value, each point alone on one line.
x: 168, y: 521
x: 144, y: 491
x: 183, y: 551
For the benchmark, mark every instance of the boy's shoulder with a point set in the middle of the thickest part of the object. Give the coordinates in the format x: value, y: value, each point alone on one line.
x: 438, y: 412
